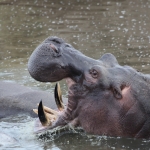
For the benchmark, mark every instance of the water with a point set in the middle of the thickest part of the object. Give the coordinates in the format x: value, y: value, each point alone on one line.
x: 20, y: 136
x: 95, y: 27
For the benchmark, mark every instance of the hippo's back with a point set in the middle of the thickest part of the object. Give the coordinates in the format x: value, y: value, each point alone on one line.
x: 16, y: 99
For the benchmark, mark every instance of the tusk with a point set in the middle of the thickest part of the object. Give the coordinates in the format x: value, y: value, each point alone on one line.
x: 51, y: 111
x: 51, y: 114
x: 51, y: 117
x: 45, y: 121
x: 36, y: 111
x: 47, y: 109
x: 58, y: 97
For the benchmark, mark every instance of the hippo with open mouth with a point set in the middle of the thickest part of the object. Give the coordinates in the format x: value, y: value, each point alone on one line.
x: 104, y: 98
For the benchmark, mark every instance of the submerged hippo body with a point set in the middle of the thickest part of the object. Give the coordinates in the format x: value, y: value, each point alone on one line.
x: 16, y: 99
x: 104, y: 98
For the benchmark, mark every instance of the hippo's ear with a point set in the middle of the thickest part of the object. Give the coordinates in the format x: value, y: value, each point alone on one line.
x: 109, y: 59
x: 117, y: 92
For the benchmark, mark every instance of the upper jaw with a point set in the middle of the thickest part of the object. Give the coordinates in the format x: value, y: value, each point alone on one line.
x: 53, y: 61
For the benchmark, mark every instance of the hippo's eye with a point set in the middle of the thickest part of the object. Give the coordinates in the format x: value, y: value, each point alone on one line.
x: 94, y: 73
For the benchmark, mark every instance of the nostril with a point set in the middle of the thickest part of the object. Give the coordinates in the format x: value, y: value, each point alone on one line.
x: 54, y: 48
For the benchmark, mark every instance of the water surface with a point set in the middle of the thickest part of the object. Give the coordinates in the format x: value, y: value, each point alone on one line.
x: 95, y: 27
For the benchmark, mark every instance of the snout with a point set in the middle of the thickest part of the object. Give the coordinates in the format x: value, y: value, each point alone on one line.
x: 54, y: 47
x: 54, y: 60
x: 45, y: 63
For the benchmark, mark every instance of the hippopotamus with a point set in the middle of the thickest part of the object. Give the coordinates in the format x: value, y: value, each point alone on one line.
x: 16, y: 99
x: 104, y: 98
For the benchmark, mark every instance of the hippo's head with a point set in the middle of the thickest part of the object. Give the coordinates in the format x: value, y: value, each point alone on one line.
x: 54, y: 60
x: 103, y: 97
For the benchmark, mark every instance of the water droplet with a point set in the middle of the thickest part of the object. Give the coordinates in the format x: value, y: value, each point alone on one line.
x: 60, y: 8
x: 112, y: 30
x: 121, y: 16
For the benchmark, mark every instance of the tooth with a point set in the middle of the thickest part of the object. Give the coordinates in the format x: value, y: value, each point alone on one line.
x: 58, y: 97
x: 51, y: 111
x: 36, y: 111
x: 51, y: 117
x: 47, y: 110
x: 42, y: 115
x: 48, y: 113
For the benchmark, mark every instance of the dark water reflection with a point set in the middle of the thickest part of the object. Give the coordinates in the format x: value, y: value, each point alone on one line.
x: 95, y: 27
x: 76, y: 141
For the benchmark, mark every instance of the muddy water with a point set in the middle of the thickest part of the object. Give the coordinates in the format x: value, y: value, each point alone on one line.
x: 95, y: 27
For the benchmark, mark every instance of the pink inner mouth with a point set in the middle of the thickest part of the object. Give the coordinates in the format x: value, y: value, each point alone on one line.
x: 70, y: 83
x: 38, y: 126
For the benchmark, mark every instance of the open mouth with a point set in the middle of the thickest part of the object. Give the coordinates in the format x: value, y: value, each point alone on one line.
x: 70, y: 83
x: 48, y: 116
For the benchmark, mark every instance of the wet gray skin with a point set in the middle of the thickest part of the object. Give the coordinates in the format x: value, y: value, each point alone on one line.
x: 16, y: 99
x: 54, y: 56
x: 104, y: 98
